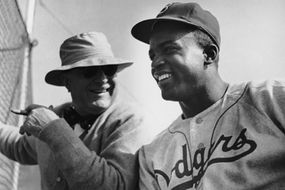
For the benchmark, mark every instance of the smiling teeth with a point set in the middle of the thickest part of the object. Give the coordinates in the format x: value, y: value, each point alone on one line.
x: 164, y: 76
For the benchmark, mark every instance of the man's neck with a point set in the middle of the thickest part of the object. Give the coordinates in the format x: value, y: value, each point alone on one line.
x: 209, y: 95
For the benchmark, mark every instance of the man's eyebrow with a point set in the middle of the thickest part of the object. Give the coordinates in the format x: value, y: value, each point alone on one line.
x: 166, y: 43
x: 162, y: 44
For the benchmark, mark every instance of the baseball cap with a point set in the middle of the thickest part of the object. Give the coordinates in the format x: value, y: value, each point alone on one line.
x: 84, y: 50
x: 188, y: 13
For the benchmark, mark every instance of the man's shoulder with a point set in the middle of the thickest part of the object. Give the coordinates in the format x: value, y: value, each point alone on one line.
x: 258, y: 88
x: 266, y: 84
x: 266, y: 89
x: 125, y: 103
x: 264, y: 95
x: 125, y: 109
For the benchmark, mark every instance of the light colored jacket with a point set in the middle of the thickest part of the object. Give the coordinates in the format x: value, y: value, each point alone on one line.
x: 104, y: 159
x: 236, y: 144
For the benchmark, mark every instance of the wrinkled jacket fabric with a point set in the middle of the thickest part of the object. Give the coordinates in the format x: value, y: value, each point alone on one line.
x: 104, y: 158
x: 236, y: 144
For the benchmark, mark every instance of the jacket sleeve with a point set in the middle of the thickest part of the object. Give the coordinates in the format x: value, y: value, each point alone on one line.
x: 17, y: 147
x: 147, y: 179
x: 115, y: 168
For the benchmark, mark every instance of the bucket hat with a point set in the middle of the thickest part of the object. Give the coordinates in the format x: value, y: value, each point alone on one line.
x: 188, y: 13
x: 88, y: 49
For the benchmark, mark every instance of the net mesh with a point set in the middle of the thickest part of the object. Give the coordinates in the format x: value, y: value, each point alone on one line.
x: 13, y: 46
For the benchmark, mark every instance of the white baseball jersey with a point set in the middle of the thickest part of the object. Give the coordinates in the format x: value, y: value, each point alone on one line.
x: 238, y: 143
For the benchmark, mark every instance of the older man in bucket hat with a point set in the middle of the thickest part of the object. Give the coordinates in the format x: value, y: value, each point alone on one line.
x: 228, y: 136
x: 93, y: 145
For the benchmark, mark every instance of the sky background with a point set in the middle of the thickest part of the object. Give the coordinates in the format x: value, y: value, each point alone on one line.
x: 252, y: 43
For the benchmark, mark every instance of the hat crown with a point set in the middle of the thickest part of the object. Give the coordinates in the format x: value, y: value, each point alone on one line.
x: 194, y: 14
x: 84, y: 46
x: 180, y: 9
x: 88, y: 49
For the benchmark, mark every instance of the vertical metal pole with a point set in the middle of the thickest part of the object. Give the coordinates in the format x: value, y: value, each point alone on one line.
x: 25, y: 70
x: 30, y: 16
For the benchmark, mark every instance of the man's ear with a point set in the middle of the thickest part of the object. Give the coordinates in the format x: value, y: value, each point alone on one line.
x: 210, y: 54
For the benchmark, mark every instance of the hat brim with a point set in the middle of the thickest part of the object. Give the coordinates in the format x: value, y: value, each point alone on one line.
x: 142, y: 31
x: 55, y: 77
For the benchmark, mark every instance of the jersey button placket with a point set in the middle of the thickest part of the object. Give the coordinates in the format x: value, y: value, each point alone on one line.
x: 199, y: 120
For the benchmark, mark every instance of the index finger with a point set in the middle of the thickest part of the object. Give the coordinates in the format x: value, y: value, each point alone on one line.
x: 19, y: 112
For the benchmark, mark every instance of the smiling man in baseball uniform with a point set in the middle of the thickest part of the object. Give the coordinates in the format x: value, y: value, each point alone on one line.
x: 228, y: 136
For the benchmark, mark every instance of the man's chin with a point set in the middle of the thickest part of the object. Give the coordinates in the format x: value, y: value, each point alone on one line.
x: 168, y: 97
x: 101, y: 104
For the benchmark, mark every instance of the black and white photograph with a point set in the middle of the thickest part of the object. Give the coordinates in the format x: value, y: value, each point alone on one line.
x: 142, y: 95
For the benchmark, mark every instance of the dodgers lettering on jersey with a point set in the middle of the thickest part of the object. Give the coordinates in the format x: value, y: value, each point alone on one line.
x: 203, y: 159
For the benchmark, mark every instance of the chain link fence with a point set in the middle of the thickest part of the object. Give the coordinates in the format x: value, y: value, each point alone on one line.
x: 14, y: 44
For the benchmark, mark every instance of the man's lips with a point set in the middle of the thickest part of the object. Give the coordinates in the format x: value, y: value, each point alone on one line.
x: 100, y: 89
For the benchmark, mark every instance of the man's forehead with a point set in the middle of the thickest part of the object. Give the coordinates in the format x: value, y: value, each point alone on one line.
x: 160, y: 43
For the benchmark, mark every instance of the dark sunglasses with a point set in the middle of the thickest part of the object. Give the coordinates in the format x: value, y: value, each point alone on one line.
x: 108, y: 70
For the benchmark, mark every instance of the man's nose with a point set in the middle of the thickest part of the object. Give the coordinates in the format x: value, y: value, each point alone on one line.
x: 157, y: 62
x: 100, y: 76
x: 97, y: 77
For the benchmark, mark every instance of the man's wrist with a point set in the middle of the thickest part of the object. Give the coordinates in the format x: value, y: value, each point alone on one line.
x: 57, y: 134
